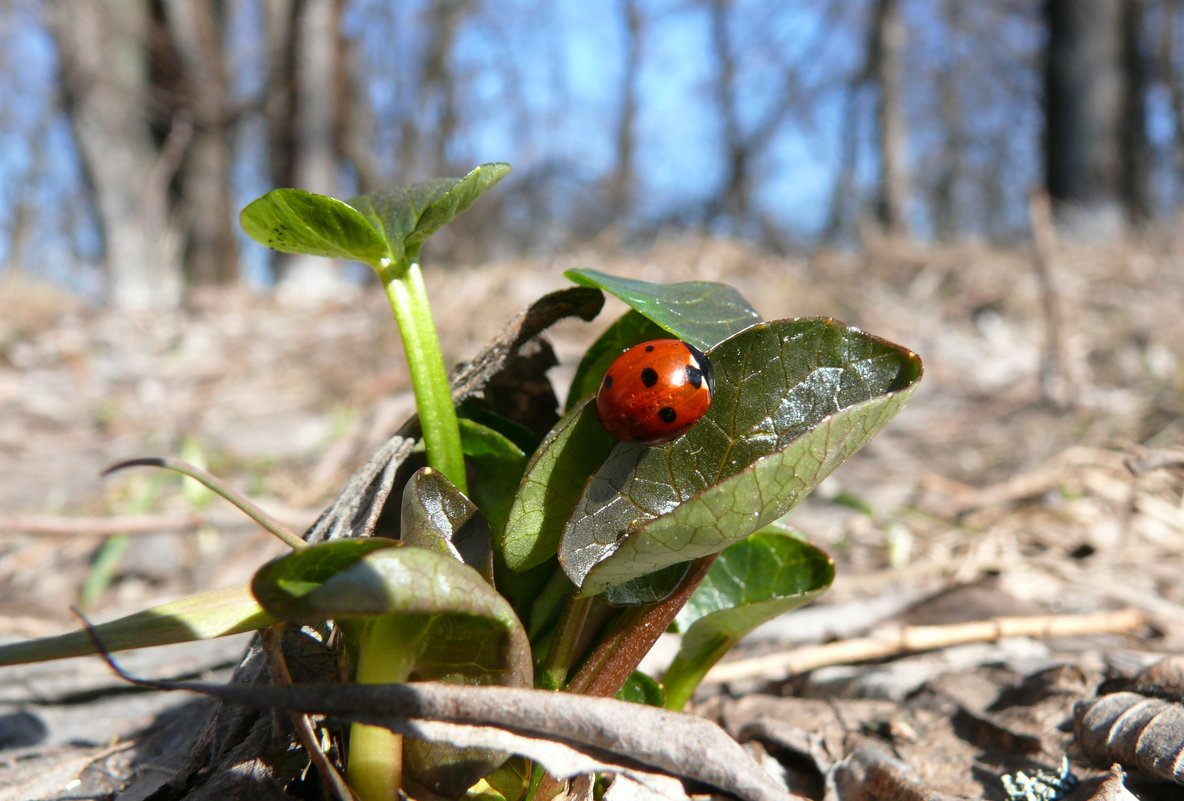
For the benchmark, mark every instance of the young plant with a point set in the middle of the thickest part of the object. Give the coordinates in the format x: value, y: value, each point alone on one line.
x: 551, y: 561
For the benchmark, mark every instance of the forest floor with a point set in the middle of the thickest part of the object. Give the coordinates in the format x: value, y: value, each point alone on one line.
x: 1038, y: 470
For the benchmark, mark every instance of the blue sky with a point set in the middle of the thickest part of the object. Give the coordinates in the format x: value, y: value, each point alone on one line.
x: 568, y: 60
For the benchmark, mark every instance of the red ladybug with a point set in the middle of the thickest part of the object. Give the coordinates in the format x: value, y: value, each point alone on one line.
x: 655, y: 391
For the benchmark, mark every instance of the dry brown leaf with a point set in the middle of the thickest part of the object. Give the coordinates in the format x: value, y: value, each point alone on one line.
x: 620, y: 735
x: 1113, y: 787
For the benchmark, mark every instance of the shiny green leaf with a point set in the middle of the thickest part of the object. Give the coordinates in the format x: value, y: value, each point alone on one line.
x: 647, y: 589
x: 702, y: 313
x: 794, y: 399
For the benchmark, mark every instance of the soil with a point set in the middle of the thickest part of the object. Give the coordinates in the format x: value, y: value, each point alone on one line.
x: 1039, y: 470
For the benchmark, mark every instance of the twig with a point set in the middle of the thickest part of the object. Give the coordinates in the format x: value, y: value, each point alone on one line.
x: 98, y: 526
x: 332, y: 779
x: 1058, y: 377
x: 94, y: 526
x: 914, y: 639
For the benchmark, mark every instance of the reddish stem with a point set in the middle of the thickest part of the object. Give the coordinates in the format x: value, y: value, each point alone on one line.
x: 632, y: 637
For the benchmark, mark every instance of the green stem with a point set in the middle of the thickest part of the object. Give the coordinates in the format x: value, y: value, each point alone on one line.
x: 684, y: 676
x: 565, y: 646
x: 429, y: 378
x: 385, y: 656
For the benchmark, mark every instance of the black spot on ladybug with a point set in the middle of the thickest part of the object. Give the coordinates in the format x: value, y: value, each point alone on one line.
x: 649, y: 376
x: 649, y: 348
x: 608, y: 382
x: 667, y: 414
x: 694, y: 376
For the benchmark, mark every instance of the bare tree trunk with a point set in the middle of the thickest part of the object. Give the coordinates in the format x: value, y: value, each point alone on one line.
x: 279, y: 24
x: 316, y: 34
x: 1173, y: 80
x: 1136, y: 149
x: 951, y: 164
x: 624, y: 177
x: 207, y: 206
x: 886, y: 69
x: 732, y: 200
x: 1084, y: 103
x: 424, y: 137
x: 838, y: 221
x: 104, y: 77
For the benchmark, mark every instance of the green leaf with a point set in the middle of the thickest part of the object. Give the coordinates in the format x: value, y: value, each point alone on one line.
x: 495, y: 466
x: 408, y: 215
x: 282, y: 585
x: 702, y: 313
x: 199, y: 617
x: 640, y: 688
x: 752, y: 581
x: 437, y: 516
x: 647, y: 589
x: 551, y: 486
x: 629, y: 329
x: 794, y: 399
x: 296, y: 221
x: 478, y: 411
x: 471, y: 632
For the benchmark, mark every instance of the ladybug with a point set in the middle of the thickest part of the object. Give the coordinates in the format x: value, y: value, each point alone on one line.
x: 655, y: 391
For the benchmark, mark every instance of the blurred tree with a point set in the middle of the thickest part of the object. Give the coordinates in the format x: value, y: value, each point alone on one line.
x: 885, y: 68
x: 1169, y: 72
x: 923, y: 117
x: 1095, y: 127
x: 1136, y: 147
x: 103, y: 69
x: 623, y: 179
x: 743, y: 43
x: 280, y: 19
x: 732, y: 200
x: 306, y: 59
x: 203, y: 200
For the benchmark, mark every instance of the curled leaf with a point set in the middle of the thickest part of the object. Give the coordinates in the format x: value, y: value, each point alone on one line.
x: 471, y: 633
x: 437, y: 516
x: 495, y: 466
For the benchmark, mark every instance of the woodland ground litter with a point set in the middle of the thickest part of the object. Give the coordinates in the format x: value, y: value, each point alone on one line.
x: 1005, y: 487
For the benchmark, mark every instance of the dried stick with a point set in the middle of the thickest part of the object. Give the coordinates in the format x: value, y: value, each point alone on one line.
x: 1058, y: 377
x: 914, y: 639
